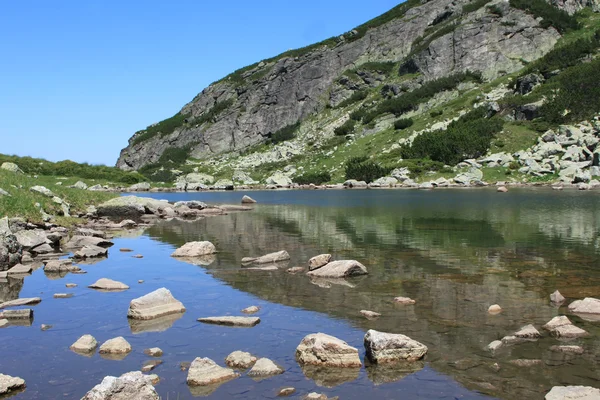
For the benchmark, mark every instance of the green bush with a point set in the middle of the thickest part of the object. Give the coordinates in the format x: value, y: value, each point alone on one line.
x: 165, y: 127
x: 551, y: 16
x: 474, y: 6
x: 469, y: 137
x: 357, y: 115
x: 403, y: 123
x: 437, y: 113
x: 496, y: 10
x: 355, y: 97
x: 361, y: 169
x: 215, y: 110
x: 285, y: 133
x: 384, y: 67
x: 317, y: 178
x: 345, y: 129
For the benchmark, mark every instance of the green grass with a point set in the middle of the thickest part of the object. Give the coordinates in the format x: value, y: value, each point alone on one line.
x: 515, y: 136
x: 21, y: 203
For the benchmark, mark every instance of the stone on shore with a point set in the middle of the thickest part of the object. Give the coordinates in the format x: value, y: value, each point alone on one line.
x: 155, y: 304
x: 78, y: 241
x: 204, y: 372
x: 386, y: 348
x: 589, y: 305
x: 370, y: 314
x: 324, y: 350
x: 527, y: 332
x: 129, y: 386
x: 12, y: 167
x: 573, y: 393
x: 251, y: 310
x: 264, y: 367
x: 340, y: 269
x: 556, y: 297
x: 20, y: 302
x: 248, y: 200
x: 318, y: 261
x: 244, y: 322
x: 195, y: 249
x: 91, y: 251
x: 60, y: 266
x: 108, y: 285
x: 494, y: 309
x: 154, y: 352
x: 404, y: 300
x: 240, y: 360
x: 10, y: 384
x: 130, y: 207
x: 19, y: 269
x: 85, y: 344
x: 270, y: 258
x: 116, y: 345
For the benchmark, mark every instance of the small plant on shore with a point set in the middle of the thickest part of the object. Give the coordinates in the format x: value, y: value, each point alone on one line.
x: 317, y: 178
x: 346, y: 129
x: 362, y: 169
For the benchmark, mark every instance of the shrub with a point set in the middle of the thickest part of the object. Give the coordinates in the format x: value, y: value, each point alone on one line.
x: 437, y: 113
x: 345, y: 129
x: 285, y: 133
x: 496, y: 10
x: 355, y: 97
x: 361, y: 169
x: 317, y: 178
x: 474, y: 6
x: 403, y: 123
x: 357, y: 115
x: 384, y: 67
x: 165, y: 127
x: 215, y: 110
x: 551, y: 16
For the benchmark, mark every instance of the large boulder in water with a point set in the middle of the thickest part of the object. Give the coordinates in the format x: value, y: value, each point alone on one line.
x: 387, y: 348
x: 9, y: 384
x: 129, y: 386
x: 130, y: 207
x: 340, y: 269
x: 587, y: 307
x: 204, y: 372
x: 195, y: 249
x: 325, y: 350
x: 155, y: 304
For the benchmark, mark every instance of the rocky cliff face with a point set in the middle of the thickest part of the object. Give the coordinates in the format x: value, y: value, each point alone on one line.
x: 439, y: 38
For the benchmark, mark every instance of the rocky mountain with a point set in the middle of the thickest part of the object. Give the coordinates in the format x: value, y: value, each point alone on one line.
x: 306, y: 94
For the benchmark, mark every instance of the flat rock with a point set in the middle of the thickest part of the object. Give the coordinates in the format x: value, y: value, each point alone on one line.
x: 494, y: 309
x: 556, y: 297
x: 325, y: 350
x: 19, y: 269
x: 568, y: 349
x: 29, y: 239
x: 155, y: 304
x: 527, y: 332
x: 568, y: 332
x: 10, y: 384
x: 116, y: 345
x: 370, y: 314
x: 150, y: 365
x: 245, y: 322
x: 129, y: 386
x: 404, y: 300
x: 125, y: 250
x: 385, y: 348
x: 295, y: 270
x: 108, y: 285
x: 195, y: 249
x: 270, y: 258
x: 137, y: 256
x: 20, y: 302
x: 286, y: 391
x: 240, y: 360
x: 494, y: 346
x: 340, y: 269
x: 130, y: 207
x: 251, y: 310
x: 556, y: 322
x: 526, y: 363
x: 45, y: 327
x: 204, y: 372
x: 154, y: 352
x: 61, y: 266
x: 91, y: 252
x: 573, y: 393
x: 63, y: 295
x: 589, y: 305
x: 85, y: 344
x: 248, y: 200
x: 78, y: 241
x: 318, y: 261
x: 4, y: 323
x: 265, y: 367
x: 21, y: 314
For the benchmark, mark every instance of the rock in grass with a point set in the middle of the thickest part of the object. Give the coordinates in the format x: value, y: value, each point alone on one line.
x: 85, y: 344
x: 244, y: 322
x: 265, y: 367
x: 324, y: 350
x: 240, y: 360
x: 129, y: 386
x: 386, y: 348
x: 204, y: 372
x: 318, y: 261
x: 116, y: 345
x: 155, y: 304
x: 270, y: 258
x: 573, y: 393
x: 340, y: 269
x: 195, y: 249
x: 10, y: 384
x: 12, y: 167
x: 108, y: 285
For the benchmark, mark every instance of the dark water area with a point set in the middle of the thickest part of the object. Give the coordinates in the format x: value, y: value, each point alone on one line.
x: 456, y: 252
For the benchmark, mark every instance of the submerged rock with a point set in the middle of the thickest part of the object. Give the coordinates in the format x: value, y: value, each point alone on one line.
x: 404, y: 300
x: 340, y: 269
x: 370, y: 314
x: 568, y: 332
x: 154, y: 352
x: 85, y: 344
x: 10, y: 384
x: 325, y: 350
x: 251, y: 310
x: 264, y: 367
x: 116, y: 345
x: 527, y: 332
x: 246, y: 322
x: 318, y: 261
x: 573, y: 393
x: 195, y: 249
x: 240, y: 360
x: 270, y: 258
x: 155, y: 304
x: 204, y: 372
x: 568, y: 349
x: 385, y: 348
x: 108, y: 285
x: 129, y: 386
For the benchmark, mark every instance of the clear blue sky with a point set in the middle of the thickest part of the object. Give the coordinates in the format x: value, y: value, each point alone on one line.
x: 78, y: 78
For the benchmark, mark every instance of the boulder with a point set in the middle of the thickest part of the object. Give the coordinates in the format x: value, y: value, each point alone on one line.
x: 386, y: 348
x: 21, y: 314
x: 91, y: 251
x: 116, y: 345
x: 370, y: 314
x: 79, y: 241
x: 44, y: 191
x: 28, y: 239
x: 55, y: 266
x: 19, y: 269
x: 195, y: 249
x: 251, y: 310
x: 204, y: 372
x: 12, y: 167
x: 8, y: 383
x: 223, y: 184
x: 527, y: 332
x: 127, y: 224
x: 502, y: 189
x: 318, y: 261
x: 353, y: 183
x: 155, y: 304
x: 404, y: 300
x: 573, y: 393
x: 325, y: 350
x: 140, y: 187
x: 264, y: 367
x: 494, y: 309
x: 20, y: 302
x: 240, y: 360
x: 105, y: 284
x: 11, y: 252
x: 246, y: 322
x: 270, y: 258
x: 568, y: 332
x: 279, y: 179
x: 556, y: 297
x: 129, y: 386
x: 85, y: 344
x: 340, y: 269
x: 248, y: 200
x: 589, y: 305
x: 80, y: 185
x: 130, y: 207
x: 387, y: 181
x: 556, y: 322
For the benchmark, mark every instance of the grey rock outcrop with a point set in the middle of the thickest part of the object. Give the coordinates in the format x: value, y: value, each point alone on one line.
x: 573, y: 393
x: 12, y: 167
x: 11, y: 251
x: 10, y: 384
x: 129, y: 386
x: 386, y: 348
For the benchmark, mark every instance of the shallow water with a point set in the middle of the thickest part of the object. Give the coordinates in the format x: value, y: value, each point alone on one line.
x: 454, y: 251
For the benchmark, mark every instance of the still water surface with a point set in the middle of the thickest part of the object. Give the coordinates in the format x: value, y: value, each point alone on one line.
x: 454, y: 251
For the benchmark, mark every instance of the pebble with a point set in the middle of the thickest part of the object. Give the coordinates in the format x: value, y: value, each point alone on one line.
x: 495, y: 309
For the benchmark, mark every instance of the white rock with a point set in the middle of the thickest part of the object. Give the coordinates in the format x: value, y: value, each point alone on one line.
x: 251, y: 310
x: 245, y: 322
x: 8, y: 383
x: 370, y: 314
x: 573, y: 393
x: 129, y: 386
x: 325, y: 350
x: 340, y: 269
x: 248, y: 200
x: 116, y: 345
x: 318, y: 261
x: 494, y: 346
x: 204, y: 372
x: 385, y: 348
x: 265, y: 367
x: 154, y: 352
x: 240, y: 360
x: 155, y: 304
x: 20, y: 302
x: 267, y: 259
x: 556, y: 297
x: 568, y: 332
x: 556, y: 322
x: 108, y: 285
x: 404, y: 300
x: 195, y: 249
x: 527, y: 332
x: 85, y: 344
x: 589, y: 305
x: 494, y: 309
